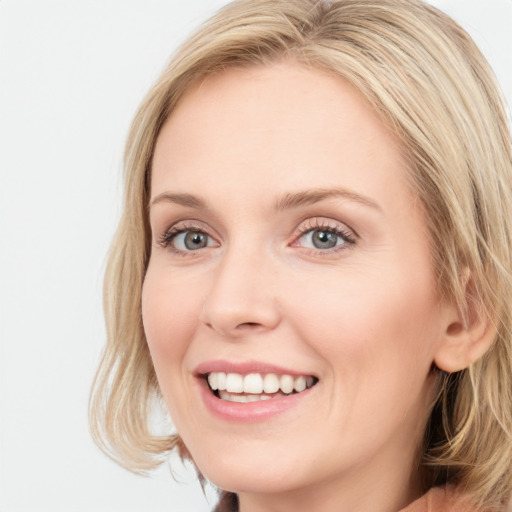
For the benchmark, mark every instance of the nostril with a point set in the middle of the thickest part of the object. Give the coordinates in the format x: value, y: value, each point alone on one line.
x: 248, y: 325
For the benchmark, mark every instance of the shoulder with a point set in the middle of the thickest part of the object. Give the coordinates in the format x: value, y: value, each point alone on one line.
x: 442, y: 499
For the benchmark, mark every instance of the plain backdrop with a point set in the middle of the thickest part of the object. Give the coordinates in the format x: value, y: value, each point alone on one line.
x: 72, y: 73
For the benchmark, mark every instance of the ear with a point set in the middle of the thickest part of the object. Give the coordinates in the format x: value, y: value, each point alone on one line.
x: 467, y: 337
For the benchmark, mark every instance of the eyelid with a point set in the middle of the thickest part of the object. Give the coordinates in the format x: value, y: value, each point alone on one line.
x: 349, y: 236
x: 170, y: 233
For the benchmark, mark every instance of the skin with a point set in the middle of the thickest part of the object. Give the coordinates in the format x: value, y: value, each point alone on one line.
x: 363, y: 317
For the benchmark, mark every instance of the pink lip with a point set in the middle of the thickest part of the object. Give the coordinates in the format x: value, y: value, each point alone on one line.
x: 244, y: 368
x: 250, y: 412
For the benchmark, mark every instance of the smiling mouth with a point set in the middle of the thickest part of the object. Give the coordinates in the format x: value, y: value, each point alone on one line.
x: 254, y: 387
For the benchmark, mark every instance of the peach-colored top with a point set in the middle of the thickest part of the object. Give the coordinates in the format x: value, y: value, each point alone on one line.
x: 440, y: 499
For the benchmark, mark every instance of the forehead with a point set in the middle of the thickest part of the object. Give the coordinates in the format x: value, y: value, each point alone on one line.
x: 275, y: 127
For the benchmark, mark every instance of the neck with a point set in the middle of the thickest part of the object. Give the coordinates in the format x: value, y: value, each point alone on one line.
x: 375, y: 496
x: 373, y: 487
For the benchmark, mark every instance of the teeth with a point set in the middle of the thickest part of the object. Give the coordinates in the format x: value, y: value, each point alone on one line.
x: 255, y: 384
x: 217, y: 380
x: 221, y: 381
x: 213, y: 380
x: 271, y: 383
x: 234, y: 383
x: 299, y: 384
x: 286, y: 384
x: 224, y: 395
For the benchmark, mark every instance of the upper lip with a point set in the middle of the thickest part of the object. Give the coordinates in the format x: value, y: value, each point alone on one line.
x: 246, y: 367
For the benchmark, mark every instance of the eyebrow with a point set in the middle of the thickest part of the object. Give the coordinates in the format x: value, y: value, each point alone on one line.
x: 286, y: 202
x: 188, y: 200
x: 308, y: 197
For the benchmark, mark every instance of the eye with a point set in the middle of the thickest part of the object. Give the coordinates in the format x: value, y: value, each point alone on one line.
x: 324, y: 237
x: 191, y: 241
x: 183, y: 239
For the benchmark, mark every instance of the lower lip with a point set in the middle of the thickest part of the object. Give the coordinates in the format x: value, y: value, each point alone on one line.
x: 250, y: 412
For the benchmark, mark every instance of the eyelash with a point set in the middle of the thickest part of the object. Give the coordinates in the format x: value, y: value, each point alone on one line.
x: 347, y: 237
x: 168, y: 237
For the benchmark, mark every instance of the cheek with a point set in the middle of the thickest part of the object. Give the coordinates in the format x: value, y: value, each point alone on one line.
x: 377, y: 337
x: 169, y: 314
x: 373, y: 323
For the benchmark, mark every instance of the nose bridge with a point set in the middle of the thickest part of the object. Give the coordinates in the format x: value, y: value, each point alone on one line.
x: 242, y: 297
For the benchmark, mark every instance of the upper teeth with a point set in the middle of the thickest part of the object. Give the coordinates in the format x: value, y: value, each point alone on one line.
x: 257, y: 383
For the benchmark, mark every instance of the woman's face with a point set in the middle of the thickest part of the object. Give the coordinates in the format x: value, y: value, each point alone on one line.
x: 289, y: 245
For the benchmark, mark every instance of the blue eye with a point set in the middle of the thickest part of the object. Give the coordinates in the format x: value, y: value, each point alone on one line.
x: 191, y: 240
x: 186, y: 240
x: 322, y: 239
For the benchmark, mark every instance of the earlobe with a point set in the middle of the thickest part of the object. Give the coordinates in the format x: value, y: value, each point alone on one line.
x: 467, y: 337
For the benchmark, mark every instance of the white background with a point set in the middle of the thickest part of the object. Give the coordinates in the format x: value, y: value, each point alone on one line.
x: 72, y: 73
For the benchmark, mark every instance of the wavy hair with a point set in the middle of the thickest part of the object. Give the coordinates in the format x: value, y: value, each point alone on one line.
x: 435, y: 91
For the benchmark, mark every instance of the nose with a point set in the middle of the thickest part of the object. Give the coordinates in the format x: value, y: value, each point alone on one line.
x: 241, y: 299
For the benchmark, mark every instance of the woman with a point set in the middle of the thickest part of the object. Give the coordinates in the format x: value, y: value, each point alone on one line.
x: 313, y: 269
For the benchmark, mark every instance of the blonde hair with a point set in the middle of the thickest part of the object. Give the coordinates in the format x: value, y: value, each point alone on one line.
x: 427, y: 79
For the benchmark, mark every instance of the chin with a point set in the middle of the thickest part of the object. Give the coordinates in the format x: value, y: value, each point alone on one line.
x: 251, y: 480
x: 256, y: 472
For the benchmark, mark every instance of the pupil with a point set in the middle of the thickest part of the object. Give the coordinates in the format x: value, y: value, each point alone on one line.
x: 195, y: 240
x: 324, y: 239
